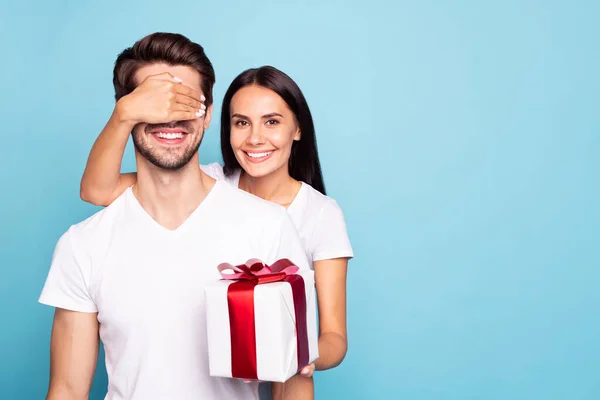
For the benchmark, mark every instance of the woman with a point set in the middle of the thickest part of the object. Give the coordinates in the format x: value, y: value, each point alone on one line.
x: 269, y: 149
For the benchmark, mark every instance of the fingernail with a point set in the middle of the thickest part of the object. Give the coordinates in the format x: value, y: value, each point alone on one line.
x: 202, y: 98
x: 200, y: 113
x: 176, y: 79
x: 305, y: 371
x: 202, y: 107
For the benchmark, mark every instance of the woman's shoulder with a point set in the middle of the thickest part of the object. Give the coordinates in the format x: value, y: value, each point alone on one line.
x: 317, y: 203
x: 329, y: 237
x: 214, y: 170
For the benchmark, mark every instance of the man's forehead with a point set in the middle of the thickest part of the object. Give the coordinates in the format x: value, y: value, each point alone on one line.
x: 188, y: 75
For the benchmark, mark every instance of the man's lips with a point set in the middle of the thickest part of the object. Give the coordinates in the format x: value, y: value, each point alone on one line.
x: 168, y: 130
x: 169, y: 135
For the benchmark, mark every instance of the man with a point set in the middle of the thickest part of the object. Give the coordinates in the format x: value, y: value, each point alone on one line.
x: 133, y: 274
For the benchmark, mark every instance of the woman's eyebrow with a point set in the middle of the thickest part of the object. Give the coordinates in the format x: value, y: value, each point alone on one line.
x: 271, y: 115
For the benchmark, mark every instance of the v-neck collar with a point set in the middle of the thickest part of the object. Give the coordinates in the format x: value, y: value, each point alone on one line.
x: 153, y: 224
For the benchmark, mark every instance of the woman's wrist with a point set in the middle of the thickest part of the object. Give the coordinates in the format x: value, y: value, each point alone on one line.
x: 121, y: 116
x: 332, y: 351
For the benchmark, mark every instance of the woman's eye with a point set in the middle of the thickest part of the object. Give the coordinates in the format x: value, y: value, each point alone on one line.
x: 272, y: 122
x: 241, y: 123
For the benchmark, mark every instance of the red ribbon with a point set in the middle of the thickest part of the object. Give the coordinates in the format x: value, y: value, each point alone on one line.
x: 240, y: 299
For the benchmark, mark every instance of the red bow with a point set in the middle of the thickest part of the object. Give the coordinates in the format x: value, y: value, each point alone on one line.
x: 258, y: 272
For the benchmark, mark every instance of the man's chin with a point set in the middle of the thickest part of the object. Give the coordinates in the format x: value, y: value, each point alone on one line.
x: 169, y: 164
x: 172, y: 160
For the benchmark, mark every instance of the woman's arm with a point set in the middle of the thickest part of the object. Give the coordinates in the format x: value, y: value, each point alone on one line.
x: 102, y: 181
x: 296, y: 388
x: 330, y: 279
x: 158, y: 99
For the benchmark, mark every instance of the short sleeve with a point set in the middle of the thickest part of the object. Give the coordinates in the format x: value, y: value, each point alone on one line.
x: 214, y: 170
x: 330, y: 237
x: 67, y: 284
x: 287, y: 243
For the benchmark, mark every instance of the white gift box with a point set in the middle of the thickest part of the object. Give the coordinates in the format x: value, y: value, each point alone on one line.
x: 255, y: 334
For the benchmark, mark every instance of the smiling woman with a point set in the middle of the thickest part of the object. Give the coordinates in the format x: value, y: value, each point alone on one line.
x: 262, y: 134
x: 267, y: 128
x: 269, y: 149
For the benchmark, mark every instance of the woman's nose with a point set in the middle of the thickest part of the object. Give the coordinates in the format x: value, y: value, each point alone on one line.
x: 256, y: 137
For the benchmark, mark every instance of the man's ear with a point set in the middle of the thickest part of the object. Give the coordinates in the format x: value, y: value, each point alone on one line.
x: 208, y: 116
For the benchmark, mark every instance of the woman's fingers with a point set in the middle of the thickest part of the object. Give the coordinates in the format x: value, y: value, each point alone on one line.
x: 186, y: 108
x: 183, y: 99
x: 184, y: 115
x: 308, y: 371
x: 189, y: 92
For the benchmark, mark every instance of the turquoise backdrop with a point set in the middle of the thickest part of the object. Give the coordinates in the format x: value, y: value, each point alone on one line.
x: 461, y: 139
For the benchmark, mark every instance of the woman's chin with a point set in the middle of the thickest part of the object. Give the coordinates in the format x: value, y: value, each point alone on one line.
x: 255, y: 172
x: 258, y: 170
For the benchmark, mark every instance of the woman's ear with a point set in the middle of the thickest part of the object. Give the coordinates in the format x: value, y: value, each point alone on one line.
x: 297, y: 135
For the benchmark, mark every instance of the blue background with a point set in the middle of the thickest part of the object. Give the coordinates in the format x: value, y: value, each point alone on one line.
x: 461, y: 139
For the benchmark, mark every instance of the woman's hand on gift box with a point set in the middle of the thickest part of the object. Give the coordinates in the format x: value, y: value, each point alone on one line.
x: 308, y: 371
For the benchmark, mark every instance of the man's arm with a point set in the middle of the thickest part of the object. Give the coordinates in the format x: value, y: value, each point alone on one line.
x: 73, y: 354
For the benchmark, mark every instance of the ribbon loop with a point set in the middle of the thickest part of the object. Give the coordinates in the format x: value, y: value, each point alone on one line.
x: 256, y: 271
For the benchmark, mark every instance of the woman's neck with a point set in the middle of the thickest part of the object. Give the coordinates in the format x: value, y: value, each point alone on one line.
x: 278, y: 187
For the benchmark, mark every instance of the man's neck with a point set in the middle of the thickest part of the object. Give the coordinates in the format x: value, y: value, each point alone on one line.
x: 278, y: 187
x: 170, y: 197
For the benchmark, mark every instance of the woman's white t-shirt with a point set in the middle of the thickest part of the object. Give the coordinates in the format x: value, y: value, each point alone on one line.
x: 318, y: 219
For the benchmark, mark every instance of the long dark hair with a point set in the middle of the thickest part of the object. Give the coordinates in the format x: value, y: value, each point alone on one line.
x: 304, y: 162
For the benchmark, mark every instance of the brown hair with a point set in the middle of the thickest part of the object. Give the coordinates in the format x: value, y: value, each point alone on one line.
x: 161, y: 47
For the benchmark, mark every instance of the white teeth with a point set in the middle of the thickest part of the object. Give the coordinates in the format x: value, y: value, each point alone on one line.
x: 259, y: 155
x: 176, y: 135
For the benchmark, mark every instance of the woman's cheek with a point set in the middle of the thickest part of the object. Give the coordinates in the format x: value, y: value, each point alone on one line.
x: 235, y: 139
x: 279, y: 138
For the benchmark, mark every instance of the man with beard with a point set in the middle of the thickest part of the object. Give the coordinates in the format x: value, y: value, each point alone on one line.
x: 133, y: 274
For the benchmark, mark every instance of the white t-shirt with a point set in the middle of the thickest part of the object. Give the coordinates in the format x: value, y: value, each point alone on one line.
x: 318, y: 219
x: 146, y: 284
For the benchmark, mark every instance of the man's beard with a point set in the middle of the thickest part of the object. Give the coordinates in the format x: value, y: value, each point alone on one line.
x: 167, y: 161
